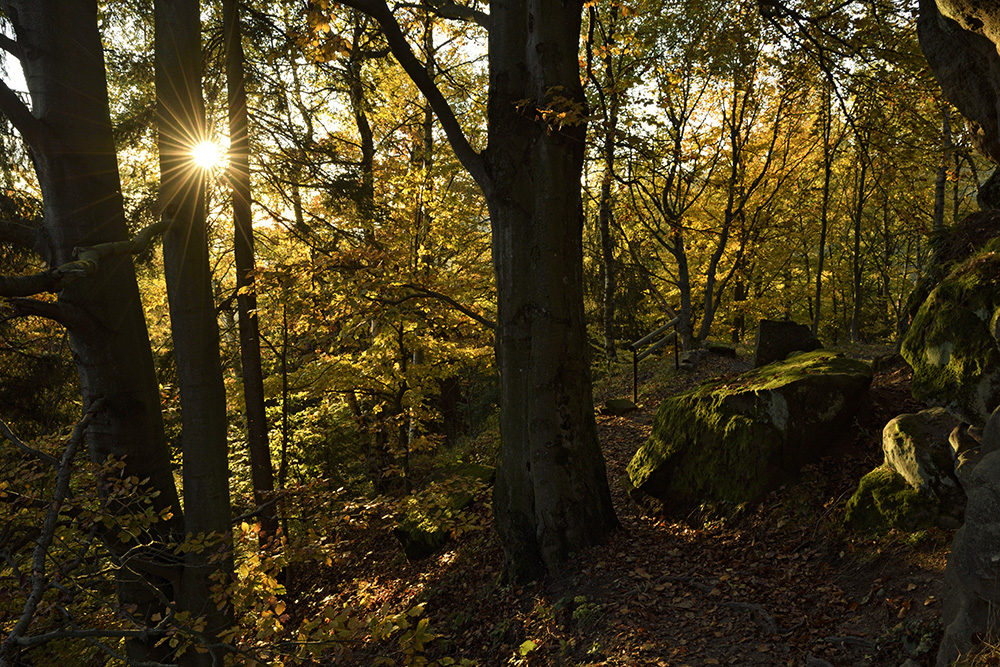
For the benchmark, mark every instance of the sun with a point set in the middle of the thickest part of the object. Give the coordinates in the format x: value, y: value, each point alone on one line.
x: 208, y: 155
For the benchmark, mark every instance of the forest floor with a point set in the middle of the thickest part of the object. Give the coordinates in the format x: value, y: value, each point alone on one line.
x: 783, y: 584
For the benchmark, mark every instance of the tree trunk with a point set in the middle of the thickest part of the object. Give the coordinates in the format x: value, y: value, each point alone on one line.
x: 69, y: 132
x: 180, y: 124
x: 856, y: 259
x: 551, y: 497
x: 246, y: 298
x: 685, y: 328
x: 611, y: 99
x: 828, y: 151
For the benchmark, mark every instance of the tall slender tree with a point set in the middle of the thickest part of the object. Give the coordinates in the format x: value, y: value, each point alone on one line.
x: 246, y: 296
x: 180, y: 115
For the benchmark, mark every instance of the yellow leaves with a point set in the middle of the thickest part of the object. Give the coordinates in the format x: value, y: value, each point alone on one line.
x: 559, y: 111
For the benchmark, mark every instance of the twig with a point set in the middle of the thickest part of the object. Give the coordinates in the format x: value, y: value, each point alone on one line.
x: 760, y: 615
x: 17, y: 442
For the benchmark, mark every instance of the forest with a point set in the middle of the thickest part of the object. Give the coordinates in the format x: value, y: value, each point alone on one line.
x: 312, y: 312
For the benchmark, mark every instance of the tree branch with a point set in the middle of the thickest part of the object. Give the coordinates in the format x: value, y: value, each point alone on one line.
x: 36, y: 283
x: 17, y: 442
x: 18, y: 113
x: 50, y: 310
x: 465, y: 310
x: 466, y: 154
x: 38, y: 578
x: 448, y: 9
x: 18, y: 234
x: 87, y: 263
x: 11, y: 46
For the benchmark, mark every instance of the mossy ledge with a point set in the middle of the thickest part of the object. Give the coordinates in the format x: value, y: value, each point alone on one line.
x: 731, y: 440
x: 952, y: 342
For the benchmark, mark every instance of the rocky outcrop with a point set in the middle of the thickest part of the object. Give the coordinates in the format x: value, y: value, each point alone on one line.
x: 972, y: 588
x: 953, y: 343
x: 776, y: 339
x: 884, y: 500
x: 732, y: 440
x: 915, y: 488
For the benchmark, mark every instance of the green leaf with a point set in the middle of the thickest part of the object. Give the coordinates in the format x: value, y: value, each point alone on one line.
x: 527, y: 647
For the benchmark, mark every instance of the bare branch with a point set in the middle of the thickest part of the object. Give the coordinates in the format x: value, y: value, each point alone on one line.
x: 466, y: 154
x: 50, y: 310
x: 38, y: 578
x: 17, y: 442
x: 11, y: 46
x: 37, y: 283
x: 87, y: 263
x: 465, y: 310
x: 448, y: 9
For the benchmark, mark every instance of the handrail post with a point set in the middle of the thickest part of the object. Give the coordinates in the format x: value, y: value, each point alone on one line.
x: 677, y: 353
x: 635, y: 376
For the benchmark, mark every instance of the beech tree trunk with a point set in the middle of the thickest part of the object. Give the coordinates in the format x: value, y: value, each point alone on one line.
x: 180, y: 125
x: 856, y: 255
x: 261, y: 470
x: 828, y: 155
x: 69, y: 132
x: 551, y: 496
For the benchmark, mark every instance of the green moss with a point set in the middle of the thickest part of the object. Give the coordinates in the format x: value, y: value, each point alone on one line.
x: 727, y: 440
x: 884, y: 500
x: 950, y: 344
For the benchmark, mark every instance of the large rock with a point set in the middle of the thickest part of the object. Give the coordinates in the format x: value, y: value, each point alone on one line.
x: 885, y: 500
x: 776, y: 339
x: 915, y: 488
x: 734, y: 439
x: 917, y: 447
x: 953, y: 343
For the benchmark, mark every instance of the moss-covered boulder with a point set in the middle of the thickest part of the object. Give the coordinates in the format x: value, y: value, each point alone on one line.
x: 430, y: 516
x: 917, y: 447
x: 915, y: 488
x: 884, y: 500
x: 734, y: 439
x: 953, y: 343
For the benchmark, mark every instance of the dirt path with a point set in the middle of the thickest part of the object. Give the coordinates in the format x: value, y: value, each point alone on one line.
x: 782, y: 585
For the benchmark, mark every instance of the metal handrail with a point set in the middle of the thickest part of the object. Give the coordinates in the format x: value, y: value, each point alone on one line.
x: 639, y: 356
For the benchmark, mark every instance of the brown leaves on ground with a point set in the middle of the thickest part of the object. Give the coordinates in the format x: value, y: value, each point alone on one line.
x: 783, y: 584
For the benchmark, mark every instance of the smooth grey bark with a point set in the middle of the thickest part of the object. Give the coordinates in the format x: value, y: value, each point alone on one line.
x: 68, y: 129
x: 180, y: 117
x: 829, y: 152
x: 261, y: 470
x: 551, y: 497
